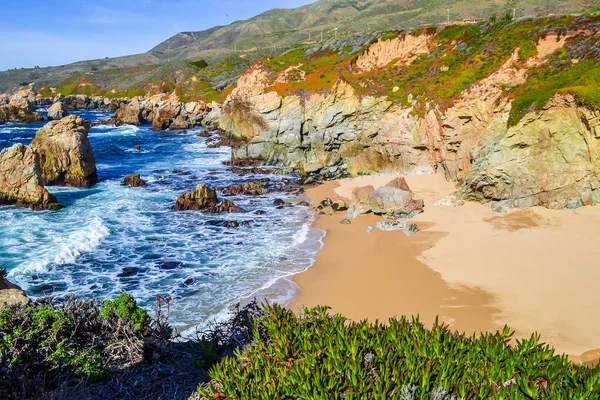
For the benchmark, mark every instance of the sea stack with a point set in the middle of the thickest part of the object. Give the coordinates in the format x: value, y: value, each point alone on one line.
x: 65, y: 153
x: 21, y: 180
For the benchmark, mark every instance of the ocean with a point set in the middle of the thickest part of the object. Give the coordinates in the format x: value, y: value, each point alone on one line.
x: 112, y: 238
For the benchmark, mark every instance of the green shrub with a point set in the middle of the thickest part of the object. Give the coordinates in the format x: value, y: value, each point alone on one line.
x: 279, y: 63
x: 42, y: 338
x: 44, y: 345
x: 318, y: 356
x: 200, y: 64
x: 125, y: 308
x: 389, y: 36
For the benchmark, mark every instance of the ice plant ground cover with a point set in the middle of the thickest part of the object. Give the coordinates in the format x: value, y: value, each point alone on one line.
x: 318, y: 356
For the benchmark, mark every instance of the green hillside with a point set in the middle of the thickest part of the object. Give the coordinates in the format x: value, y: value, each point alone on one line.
x: 274, y: 32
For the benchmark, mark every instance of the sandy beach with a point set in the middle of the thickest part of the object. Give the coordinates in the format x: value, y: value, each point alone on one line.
x: 534, y: 270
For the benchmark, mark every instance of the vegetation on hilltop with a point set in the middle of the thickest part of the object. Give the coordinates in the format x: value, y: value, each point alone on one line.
x: 460, y: 56
x: 283, y: 29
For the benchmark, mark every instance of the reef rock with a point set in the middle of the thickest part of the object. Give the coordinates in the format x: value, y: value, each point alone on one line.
x: 246, y: 189
x: 134, y: 180
x: 56, y: 111
x: 65, y: 154
x: 200, y: 199
x: 204, y: 198
x: 166, y: 116
x: 226, y: 206
x: 21, y: 180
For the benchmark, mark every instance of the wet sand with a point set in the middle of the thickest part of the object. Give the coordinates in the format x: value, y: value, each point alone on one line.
x: 534, y: 270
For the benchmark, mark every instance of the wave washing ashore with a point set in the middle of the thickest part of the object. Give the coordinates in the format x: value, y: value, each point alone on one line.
x: 113, y: 238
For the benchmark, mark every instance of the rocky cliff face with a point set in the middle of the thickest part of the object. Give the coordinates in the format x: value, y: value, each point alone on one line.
x: 21, y: 179
x: 65, y: 154
x: 549, y: 158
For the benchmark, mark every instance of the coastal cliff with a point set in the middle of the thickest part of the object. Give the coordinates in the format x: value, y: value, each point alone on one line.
x: 465, y: 123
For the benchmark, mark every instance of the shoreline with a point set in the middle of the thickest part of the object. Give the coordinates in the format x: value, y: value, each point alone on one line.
x: 438, y: 272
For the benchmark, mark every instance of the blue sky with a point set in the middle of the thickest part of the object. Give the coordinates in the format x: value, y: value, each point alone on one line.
x: 55, y: 32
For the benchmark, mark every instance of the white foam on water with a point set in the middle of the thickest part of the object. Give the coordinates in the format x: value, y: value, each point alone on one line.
x: 114, y: 238
x: 110, y: 130
x: 67, y: 249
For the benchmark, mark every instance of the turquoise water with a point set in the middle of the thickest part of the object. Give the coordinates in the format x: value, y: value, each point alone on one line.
x: 111, y: 238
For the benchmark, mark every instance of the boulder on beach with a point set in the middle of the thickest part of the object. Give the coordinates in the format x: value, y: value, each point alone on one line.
x: 395, y: 200
x: 134, y: 180
x: 246, y: 189
x: 21, y: 180
x: 65, y: 153
x: 56, y: 111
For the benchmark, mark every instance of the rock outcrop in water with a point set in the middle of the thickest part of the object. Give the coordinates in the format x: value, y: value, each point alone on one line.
x: 134, y: 180
x: 19, y: 108
x: 21, y: 180
x: 204, y: 198
x: 65, y: 154
x: 246, y: 189
x: 162, y: 112
x: 56, y: 111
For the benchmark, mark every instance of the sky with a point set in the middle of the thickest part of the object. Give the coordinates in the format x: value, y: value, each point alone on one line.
x: 55, y: 32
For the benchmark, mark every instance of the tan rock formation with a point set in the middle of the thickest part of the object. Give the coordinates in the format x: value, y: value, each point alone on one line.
x: 19, y: 108
x: 65, y: 154
x: 130, y: 113
x: 56, y: 111
x: 550, y: 158
x: 11, y: 294
x: 341, y: 133
x: 21, y: 180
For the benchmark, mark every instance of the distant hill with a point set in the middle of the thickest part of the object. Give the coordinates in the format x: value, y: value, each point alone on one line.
x: 282, y: 28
